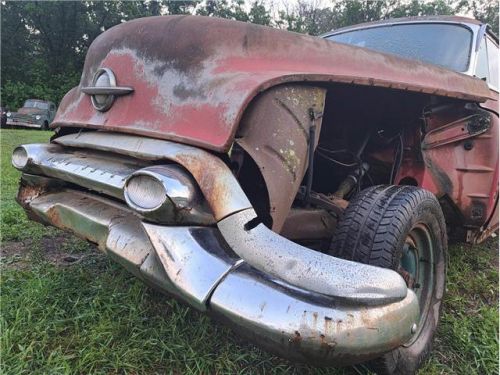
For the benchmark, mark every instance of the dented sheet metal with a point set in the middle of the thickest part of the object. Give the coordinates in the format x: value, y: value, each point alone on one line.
x: 275, y: 132
x: 461, y: 162
x: 193, y: 77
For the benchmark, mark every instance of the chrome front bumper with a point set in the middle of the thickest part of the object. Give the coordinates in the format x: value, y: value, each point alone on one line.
x: 23, y: 124
x: 293, y: 301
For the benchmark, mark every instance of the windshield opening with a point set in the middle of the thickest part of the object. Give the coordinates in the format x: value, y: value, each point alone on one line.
x: 36, y: 104
x: 446, y: 45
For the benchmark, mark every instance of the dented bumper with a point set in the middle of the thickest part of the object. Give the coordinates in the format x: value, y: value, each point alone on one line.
x: 301, y: 308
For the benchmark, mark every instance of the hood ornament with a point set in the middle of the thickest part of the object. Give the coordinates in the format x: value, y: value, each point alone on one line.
x: 104, y: 90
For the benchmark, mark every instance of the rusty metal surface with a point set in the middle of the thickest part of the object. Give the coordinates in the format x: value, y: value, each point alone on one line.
x: 194, y: 264
x: 458, y: 158
x: 456, y: 131
x: 275, y: 133
x: 220, y: 188
x: 87, y: 216
x: 308, y: 224
x: 259, y: 246
x: 466, y: 170
x: 185, y: 269
x: 308, y: 327
x: 32, y: 186
x: 307, y: 269
x: 193, y: 77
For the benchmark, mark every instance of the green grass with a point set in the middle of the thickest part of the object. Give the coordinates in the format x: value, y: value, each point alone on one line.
x: 91, y: 316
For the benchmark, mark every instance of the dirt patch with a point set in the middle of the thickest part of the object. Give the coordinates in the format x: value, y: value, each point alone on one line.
x: 14, y: 255
x: 58, y: 250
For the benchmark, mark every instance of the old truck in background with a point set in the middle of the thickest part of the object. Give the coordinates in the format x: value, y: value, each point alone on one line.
x: 34, y: 113
x: 300, y: 189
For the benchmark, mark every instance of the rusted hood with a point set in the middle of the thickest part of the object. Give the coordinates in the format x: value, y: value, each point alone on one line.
x: 193, y: 76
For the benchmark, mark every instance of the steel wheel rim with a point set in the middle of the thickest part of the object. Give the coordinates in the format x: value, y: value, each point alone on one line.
x: 417, y: 268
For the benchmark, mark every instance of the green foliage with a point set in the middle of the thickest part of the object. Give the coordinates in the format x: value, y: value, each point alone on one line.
x: 14, y: 93
x: 487, y: 11
x: 307, y: 17
x: 230, y: 9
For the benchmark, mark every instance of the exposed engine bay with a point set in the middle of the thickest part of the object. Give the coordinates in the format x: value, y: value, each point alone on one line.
x: 365, y: 136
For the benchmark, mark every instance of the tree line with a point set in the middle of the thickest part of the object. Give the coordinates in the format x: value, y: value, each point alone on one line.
x: 44, y: 42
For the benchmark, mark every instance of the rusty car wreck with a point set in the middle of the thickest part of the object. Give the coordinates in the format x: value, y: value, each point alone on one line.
x: 300, y: 189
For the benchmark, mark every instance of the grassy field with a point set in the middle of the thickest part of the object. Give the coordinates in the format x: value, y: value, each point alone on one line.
x: 66, y: 309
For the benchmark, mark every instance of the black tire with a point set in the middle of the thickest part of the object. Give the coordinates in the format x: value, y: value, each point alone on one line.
x: 380, y: 227
x: 45, y: 126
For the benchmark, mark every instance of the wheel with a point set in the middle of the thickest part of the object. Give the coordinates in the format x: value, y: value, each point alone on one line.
x: 402, y: 228
x: 45, y: 126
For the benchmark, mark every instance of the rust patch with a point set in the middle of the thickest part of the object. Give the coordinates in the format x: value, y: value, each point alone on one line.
x: 27, y: 193
x: 441, y: 178
x: 275, y: 133
x: 327, y: 346
x: 217, y: 183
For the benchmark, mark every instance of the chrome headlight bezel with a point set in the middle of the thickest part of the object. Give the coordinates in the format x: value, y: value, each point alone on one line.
x: 178, y: 190
x: 181, y: 201
x: 142, y: 197
x: 20, y: 157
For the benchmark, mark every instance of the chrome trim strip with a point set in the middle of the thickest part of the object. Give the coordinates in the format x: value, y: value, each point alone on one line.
x: 104, y: 174
x: 112, y: 90
x: 479, y: 36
